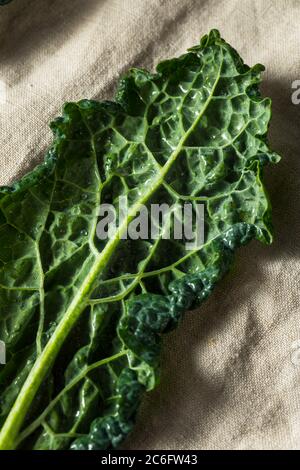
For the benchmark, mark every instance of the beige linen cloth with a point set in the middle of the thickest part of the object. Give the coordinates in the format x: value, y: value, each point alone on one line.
x: 231, y: 371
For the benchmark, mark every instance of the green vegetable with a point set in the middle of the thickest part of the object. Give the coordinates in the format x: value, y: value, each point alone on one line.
x: 4, y: 2
x: 82, y: 319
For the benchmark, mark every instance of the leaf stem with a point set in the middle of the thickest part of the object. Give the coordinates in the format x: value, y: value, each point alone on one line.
x: 43, y: 364
x: 37, y: 422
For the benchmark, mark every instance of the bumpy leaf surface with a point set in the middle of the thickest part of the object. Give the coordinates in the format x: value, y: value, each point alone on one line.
x: 82, y: 319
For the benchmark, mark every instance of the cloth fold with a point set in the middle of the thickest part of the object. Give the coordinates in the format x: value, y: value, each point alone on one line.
x: 231, y: 372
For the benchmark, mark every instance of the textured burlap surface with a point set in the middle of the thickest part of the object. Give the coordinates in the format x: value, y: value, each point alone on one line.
x: 231, y: 372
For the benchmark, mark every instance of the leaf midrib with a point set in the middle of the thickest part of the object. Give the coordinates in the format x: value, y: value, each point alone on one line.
x: 45, y: 361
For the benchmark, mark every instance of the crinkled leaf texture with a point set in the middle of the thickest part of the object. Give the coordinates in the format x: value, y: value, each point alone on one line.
x: 83, y: 319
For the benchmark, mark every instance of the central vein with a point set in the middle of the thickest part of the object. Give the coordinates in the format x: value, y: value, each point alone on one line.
x: 46, y: 359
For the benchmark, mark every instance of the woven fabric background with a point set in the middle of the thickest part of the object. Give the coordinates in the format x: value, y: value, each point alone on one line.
x: 231, y: 372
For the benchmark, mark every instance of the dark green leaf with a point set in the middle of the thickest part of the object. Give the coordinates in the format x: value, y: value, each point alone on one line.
x: 82, y: 320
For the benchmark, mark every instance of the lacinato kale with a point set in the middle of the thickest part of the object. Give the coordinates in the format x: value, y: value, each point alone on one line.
x: 81, y: 318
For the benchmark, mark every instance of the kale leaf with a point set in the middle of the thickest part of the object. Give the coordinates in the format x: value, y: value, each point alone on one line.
x: 81, y: 318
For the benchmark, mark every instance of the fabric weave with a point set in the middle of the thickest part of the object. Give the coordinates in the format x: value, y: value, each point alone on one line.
x: 231, y: 372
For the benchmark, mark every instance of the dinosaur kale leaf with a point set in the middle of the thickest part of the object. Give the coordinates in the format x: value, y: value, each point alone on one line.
x: 4, y: 2
x: 82, y: 318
